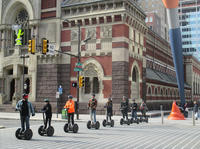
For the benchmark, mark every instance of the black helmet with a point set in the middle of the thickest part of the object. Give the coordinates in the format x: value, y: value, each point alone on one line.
x: 93, y: 95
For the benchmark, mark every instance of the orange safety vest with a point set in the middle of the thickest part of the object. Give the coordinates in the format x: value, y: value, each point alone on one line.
x: 70, y: 106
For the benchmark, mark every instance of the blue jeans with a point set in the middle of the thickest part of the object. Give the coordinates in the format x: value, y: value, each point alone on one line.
x: 93, y: 115
x: 134, y: 114
x: 25, y: 119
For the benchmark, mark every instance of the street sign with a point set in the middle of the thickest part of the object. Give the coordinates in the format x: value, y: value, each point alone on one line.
x: 60, y: 90
x: 57, y: 95
x: 78, y: 69
x: 51, y: 48
x: 79, y: 64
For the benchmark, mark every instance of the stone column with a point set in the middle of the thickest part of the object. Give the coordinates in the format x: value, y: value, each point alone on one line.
x: 120, y: 62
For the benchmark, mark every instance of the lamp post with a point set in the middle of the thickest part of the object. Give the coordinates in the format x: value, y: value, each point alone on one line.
x: 23, y: 63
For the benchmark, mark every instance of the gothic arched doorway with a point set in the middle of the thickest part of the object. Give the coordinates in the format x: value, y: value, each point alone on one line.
x: 135, y: 86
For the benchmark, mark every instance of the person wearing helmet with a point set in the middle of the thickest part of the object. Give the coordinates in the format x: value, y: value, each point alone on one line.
x: 92, y: 105
x: 134, y: 109
x: 48, y: 112
x: 124, y: 108
x: 109, y: 106
x: 26, y: 109
x: 69, y: 106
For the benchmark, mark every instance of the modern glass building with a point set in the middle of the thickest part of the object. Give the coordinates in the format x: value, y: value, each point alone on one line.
x: 189, y: 16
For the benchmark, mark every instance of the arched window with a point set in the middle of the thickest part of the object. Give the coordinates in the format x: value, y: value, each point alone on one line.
x: 134, y: 74
x: 22, y: 19
x: 156, y: 91
x: 149, y: 90
x: 161, y: 92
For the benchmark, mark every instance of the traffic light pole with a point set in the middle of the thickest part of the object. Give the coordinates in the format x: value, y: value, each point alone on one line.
x: 78, y: 60
x: 23, y: 63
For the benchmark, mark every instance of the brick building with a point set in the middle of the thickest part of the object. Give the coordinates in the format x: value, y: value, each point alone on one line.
x: 123, y: 57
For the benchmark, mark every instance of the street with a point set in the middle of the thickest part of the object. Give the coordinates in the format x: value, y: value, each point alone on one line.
x: 142, y: 136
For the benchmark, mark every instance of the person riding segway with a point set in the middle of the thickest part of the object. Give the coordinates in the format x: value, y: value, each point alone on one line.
x: 47, y: 115
x: 124, y: 109
x: 25, y: 108
x: 109, y: 111
x: 70, y: 107
x: 143, y: 109
x: 92, y: 105
x: 134, y: 118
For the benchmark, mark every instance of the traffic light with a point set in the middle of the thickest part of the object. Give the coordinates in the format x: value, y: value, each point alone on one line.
x: 74, y: 84
x: 81, y: 81
x: 29, y: 46
x: 45, y: 46
x: 33, y: 46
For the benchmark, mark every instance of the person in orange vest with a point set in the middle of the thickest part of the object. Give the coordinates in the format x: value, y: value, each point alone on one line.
x: 69, y: 106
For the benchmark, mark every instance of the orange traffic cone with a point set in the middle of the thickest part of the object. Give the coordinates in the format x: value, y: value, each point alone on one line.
x: 175, y: 113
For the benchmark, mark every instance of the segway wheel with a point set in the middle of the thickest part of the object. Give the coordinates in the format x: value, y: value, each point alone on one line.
x: 50, y: 131
x: 128, y: 122
x: 66, y: 128
x: 89, y: 124
x: 138, y: 121
x: 146, y: 119
x: 104, y: 123
x: 41, y: 131
x: 75, y: 128
x: 28, y: 134
x: 97, y: 125
x: 121, y: 121
x: 112, y: 123
x: 17, y: 133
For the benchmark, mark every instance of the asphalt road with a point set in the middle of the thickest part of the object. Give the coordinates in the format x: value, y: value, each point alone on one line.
x: 142, y: 136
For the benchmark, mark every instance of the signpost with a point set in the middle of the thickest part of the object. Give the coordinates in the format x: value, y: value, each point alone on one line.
x: 52, y: 48
x: 57, y: 97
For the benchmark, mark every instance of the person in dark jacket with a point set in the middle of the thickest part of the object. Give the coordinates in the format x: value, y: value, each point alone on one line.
x: 25, y: 108
x: 109, y: 109
x: 48, y: 112
x: 124, y: 108
x: 134, y: 109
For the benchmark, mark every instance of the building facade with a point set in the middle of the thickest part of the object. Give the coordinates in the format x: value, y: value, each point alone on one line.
x: 122, y: 58
x: 157, y: 7
x: 189, y: 16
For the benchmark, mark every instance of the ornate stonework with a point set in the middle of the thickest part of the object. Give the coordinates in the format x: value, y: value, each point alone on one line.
x: 106, y: 31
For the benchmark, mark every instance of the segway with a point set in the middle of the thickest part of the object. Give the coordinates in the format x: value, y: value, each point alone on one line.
x: 93, y: 125
x: 69, y: 127
x: 105, y: 123
x: 144, y: 119
x: 137, y: 121
x: 48, y: 131
x: 109, y: 123
x: 25, y: 135
x: 122, y: 121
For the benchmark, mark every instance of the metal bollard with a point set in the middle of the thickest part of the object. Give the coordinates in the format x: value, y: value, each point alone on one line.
x: 162, y: 115
x: 193, y: 118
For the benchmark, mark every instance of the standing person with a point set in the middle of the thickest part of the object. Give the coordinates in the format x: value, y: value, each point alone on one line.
x: 124, y: 108
x: 109, y: 109
x: 134, y: 109
x: 70, y: 109
x: 143, y: 108
x: 25, y: 107
x: 48, y: 112
x: 92, y: 105
x: 196, y: 109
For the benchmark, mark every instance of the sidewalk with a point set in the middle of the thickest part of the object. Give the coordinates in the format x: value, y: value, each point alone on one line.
x: 82, y: 117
